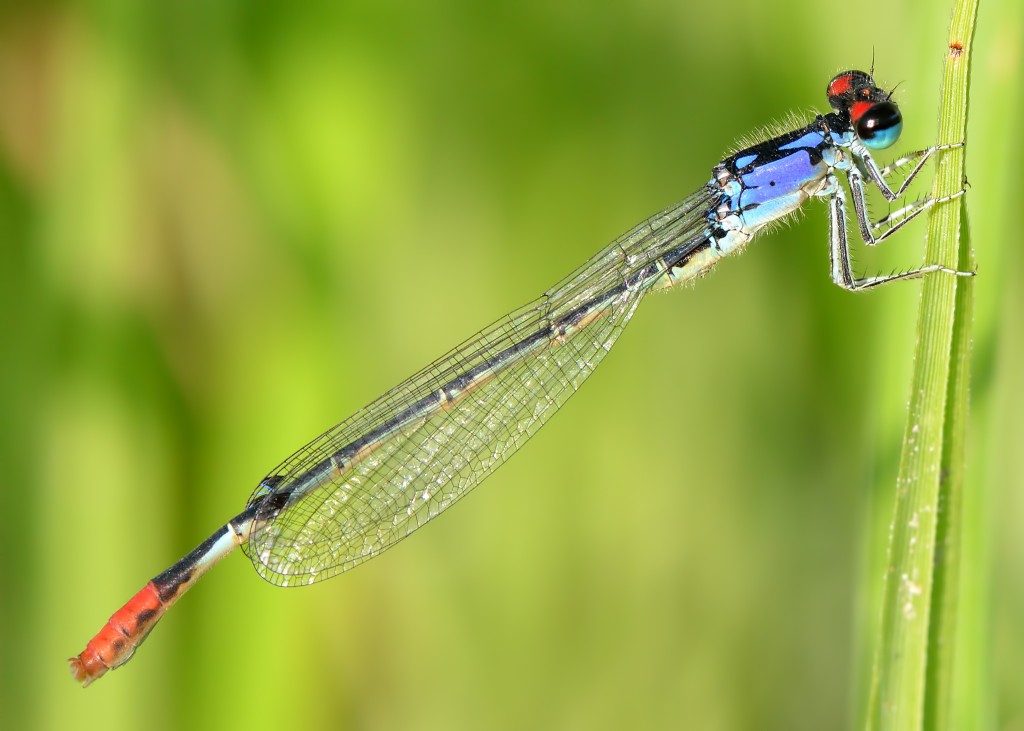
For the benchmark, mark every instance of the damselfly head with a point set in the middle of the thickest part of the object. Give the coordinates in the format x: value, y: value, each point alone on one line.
x: 873, y: 115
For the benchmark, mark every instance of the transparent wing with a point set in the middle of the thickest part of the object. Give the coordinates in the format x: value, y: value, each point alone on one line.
x: 397, y: 463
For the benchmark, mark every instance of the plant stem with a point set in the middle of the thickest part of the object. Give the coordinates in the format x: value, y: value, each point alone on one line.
x: 913, y: 666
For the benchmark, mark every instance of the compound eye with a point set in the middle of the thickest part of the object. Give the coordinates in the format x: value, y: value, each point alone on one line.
x: 880, y: 126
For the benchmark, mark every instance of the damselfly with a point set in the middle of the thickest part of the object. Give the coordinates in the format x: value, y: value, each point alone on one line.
x: 376, y: 477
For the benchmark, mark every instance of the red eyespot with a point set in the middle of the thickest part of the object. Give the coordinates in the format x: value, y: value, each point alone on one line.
x: 840, y: 85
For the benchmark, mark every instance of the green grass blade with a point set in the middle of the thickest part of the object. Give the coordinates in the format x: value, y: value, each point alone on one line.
x: 913, y: 664
x: 939, y: 689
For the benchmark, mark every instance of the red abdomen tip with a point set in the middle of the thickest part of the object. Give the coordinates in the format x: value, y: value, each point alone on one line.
x: 121, y: 635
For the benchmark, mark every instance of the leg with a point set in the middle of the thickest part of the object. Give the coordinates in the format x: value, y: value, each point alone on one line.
x: 839, y: 252
x: 921, y: 155
x: 878, y: 175
x: 893, y: 221
x: 902, y: 215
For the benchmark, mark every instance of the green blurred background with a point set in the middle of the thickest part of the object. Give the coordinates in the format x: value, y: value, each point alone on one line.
x: 225, y: 226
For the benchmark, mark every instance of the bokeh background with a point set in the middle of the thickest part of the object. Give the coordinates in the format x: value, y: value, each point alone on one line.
x: 225, y: 226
